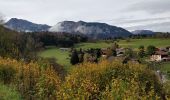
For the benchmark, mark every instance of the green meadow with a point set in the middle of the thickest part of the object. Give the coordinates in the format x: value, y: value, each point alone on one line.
x: 135, y: 43
x: 132, y: 43
x: 63, y: 56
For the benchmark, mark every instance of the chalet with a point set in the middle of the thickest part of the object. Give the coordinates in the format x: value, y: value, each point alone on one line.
x: 120, y: 52
x: 160, y: 56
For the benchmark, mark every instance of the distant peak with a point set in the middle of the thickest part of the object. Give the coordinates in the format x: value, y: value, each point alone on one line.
x: 14, y: 19
x: 17, y: 19
x: 69, y: 21
x: 81, y: 21
x: 22, y: 25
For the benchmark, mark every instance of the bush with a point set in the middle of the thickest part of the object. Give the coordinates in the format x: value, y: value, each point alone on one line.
x: 167, y: 89
x: 105, y: 80
x: 111, y: 81
x: 31, y: 79
x: 151, y: 50
x: 7, y: 74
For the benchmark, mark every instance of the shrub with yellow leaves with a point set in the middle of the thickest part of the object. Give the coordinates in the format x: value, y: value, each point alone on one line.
x: 111, y: 81
x: 105, y: 81
x: 32, y: 80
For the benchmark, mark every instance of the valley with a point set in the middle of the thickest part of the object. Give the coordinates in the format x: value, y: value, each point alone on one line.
x: 82, y: 60
x: 62, y: 57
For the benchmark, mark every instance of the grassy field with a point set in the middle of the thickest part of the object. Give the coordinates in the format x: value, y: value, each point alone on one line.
x: 133, y: 43
x: 166, y: 69
x: 99, y: 44
x: 63, y: 56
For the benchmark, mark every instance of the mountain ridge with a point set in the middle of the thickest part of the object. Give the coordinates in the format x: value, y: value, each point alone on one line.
x: 142, y: 32
x: 92, y: 29
x: 22, y: 25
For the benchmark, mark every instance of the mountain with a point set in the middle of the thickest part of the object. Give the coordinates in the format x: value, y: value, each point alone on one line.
x: 140, y: 32
x: 21, y: 25
x: 156, y: 27
x: 93, y: 29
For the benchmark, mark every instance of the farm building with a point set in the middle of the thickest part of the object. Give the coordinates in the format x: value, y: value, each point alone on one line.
x: 120, y: 51
x: 64, y: 49
x: 160, y: 56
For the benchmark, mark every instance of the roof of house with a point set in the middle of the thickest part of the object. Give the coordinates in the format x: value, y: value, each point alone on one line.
x: 161, y: 52
x: 112, y: 58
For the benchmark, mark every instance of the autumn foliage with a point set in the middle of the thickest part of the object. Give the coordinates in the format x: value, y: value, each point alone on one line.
x: 32, y: 80
x: 111, y: 81
x: 105, y: 80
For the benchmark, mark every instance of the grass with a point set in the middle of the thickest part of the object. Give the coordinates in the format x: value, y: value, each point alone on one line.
x: 166, y: 66
x: 99, y: 44
x: 135, y: 43
x: 7, y: 93
x: 166, y: 69
x: 62, y: 57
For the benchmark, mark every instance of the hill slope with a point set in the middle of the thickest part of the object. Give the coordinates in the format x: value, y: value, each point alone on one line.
x: 140, y: 32
x: 94, y: 30
x: 21, y: 25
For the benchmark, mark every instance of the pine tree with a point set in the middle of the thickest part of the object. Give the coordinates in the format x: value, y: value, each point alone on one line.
x: 74, y: 58
x: 151, y: 50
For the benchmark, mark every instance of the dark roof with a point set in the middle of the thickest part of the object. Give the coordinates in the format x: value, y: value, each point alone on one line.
x: 161, y: 52
x: 112, y: 58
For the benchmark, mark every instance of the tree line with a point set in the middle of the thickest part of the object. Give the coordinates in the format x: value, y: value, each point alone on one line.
x: 156, y: 35
x: 26, y: 45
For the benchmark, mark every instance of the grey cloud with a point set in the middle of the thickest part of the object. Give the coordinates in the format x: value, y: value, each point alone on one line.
x: 143, y: 20
x: 122, y: 12
x: 151, y: 6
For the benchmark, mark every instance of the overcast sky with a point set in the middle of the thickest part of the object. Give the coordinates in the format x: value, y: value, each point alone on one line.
x: 129, y: 14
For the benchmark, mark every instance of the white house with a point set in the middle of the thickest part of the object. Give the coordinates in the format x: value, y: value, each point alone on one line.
x: 160, y: 56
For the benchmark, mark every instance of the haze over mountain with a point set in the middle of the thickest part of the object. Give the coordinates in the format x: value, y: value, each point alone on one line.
x: 140, y: 32
x: 91, y: 29
x: 21, y: 25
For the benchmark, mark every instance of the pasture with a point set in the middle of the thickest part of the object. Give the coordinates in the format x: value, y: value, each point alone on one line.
x: 62, y: 57
x: 132, y: 43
